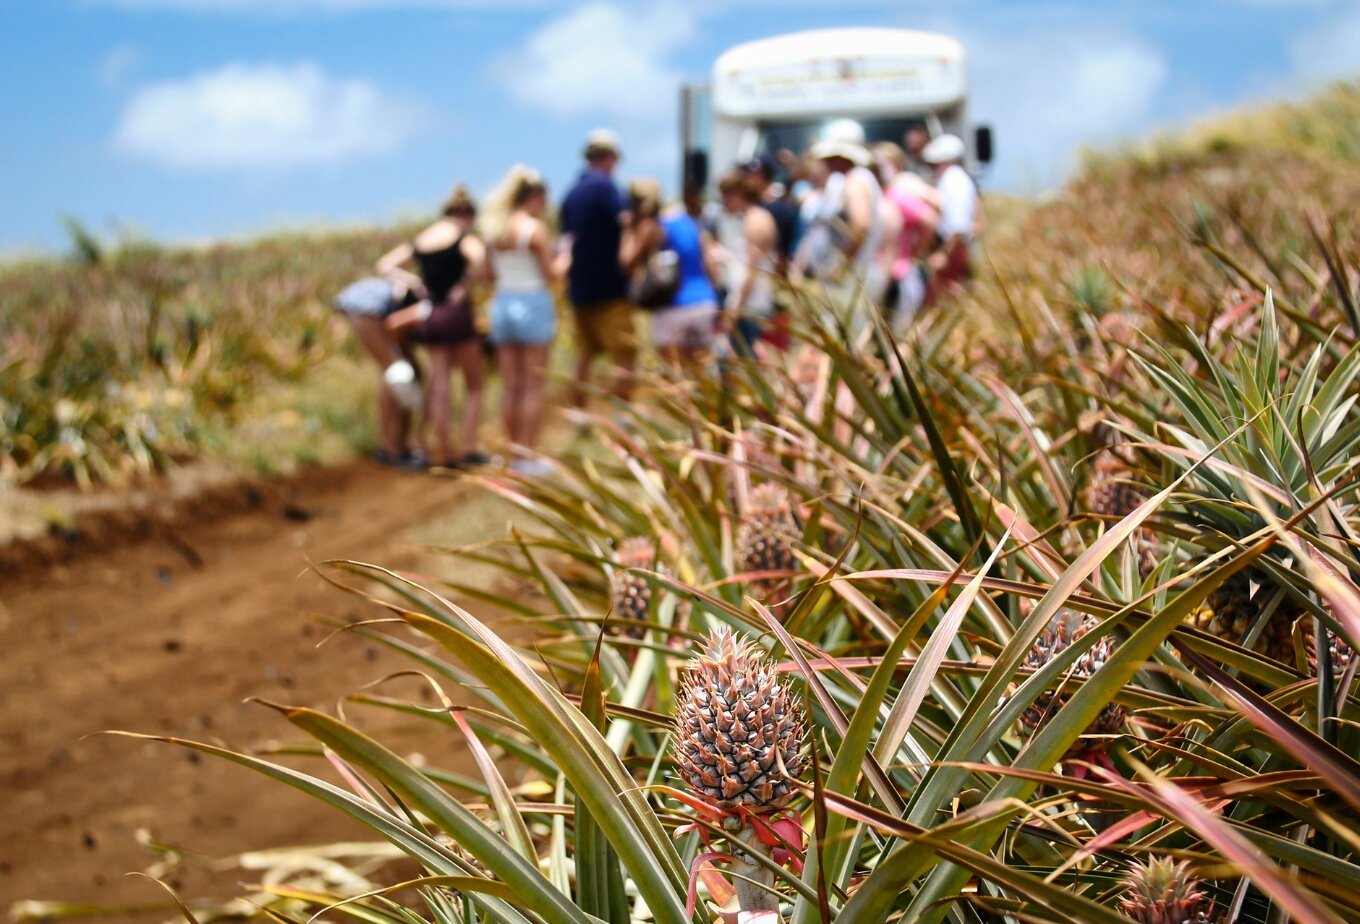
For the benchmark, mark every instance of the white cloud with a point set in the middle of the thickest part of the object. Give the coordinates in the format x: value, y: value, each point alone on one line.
x: 1329, y: 51
x: 118, y: 64
x: 603, y: 59
x: 263, y: 116
x: 1048, y: 94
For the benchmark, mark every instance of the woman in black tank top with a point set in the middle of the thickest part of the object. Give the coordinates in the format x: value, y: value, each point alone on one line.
x: 449, y: 258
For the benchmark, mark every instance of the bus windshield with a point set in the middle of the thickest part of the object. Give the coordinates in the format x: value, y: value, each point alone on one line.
x: 799, y: 136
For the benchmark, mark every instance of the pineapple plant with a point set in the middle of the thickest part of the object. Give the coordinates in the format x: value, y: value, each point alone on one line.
x: 1112, y: 495
x: 768, y: 531
x: 630, y: 594
x: 738, y: 731
x: 1161, y: 891
x: 1230, y: 612
x: 1065, y: 628
x: 738, y: 747
x: 1110, y: 492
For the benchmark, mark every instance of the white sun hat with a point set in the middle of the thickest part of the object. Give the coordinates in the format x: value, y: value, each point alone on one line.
x: 946, y: 149
x: 842, y: 138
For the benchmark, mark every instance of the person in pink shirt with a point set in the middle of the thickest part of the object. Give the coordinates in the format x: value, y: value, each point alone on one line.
x: 918, y: 205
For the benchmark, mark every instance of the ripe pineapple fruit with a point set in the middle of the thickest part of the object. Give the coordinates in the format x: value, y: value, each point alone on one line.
x: 1162, y: 891
x: 767, y: 533
x: 1111, y: 494
x: 1342, y: 654
x: 738, y: 734
x: 1066, y: 628
x: 630, y: 594
x: 1228, y: 613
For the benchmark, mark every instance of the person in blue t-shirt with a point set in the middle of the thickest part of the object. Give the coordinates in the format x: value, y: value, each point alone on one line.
x: 684, y: 330
x: 594, y: 214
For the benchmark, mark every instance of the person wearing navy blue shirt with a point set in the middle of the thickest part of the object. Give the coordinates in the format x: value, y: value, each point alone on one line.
x: 593, y: 216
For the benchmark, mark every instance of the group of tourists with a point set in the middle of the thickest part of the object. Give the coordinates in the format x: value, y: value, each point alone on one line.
x: 881, y: 228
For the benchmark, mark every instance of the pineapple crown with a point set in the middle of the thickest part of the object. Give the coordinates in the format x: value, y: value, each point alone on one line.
x: 1162, y: 891
x: 770, y: 498
x: 738, y: 733
x: 636, y: 552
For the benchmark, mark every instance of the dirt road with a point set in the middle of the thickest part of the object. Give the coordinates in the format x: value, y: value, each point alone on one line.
x: 169, y: 636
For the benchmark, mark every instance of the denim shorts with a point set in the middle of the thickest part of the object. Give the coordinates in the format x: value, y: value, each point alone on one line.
x: 525, y: 318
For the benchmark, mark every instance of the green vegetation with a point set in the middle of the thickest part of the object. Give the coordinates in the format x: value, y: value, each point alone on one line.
x: 1046, y: 614
x: 124, y: 360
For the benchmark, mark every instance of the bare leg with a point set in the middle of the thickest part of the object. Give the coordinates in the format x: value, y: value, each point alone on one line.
x: 468, y: 357
x: 372, y: 335
x: 623, y: 376
x: 535, y: 374
x: 511, y: 362
x: 578, y: 388
x: 437, y: 405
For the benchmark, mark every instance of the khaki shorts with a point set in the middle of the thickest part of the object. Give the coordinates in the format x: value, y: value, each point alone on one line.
x: 607, y: 327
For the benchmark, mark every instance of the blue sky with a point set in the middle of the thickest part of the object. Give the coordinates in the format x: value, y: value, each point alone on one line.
x: 193, y: 119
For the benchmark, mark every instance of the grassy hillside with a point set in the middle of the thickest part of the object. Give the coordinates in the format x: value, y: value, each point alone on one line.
x: 121, y: 361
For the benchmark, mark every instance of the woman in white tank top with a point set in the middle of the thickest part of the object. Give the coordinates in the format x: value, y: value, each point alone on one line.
x: 524, y: 314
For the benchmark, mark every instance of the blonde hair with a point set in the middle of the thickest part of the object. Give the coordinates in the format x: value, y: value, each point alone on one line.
x: 891, y: 153
x: 513, y: 191
x: 644, y: 197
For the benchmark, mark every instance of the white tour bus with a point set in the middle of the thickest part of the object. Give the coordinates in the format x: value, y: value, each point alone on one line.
x: 779, y: 92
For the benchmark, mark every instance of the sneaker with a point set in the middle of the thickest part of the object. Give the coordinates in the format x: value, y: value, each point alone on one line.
x: 413, y: 461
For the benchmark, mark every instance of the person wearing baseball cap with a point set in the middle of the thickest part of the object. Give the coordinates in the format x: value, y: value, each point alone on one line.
x: 593, y: 216
x: 951, y: 262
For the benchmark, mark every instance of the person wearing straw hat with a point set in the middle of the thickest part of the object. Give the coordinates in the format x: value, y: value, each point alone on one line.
x: 950, y: 262
x: 593, y: 215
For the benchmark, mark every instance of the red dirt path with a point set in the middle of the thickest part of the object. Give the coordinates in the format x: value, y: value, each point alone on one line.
x: 143, y: 638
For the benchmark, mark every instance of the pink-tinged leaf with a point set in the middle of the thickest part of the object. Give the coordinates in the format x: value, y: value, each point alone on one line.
x: 857, y: 600
x: 1340, y: 770
x: 513, y: 828
x: 1085, y: 604
x: 699, y: 805
x: 1337, y: 590
x: 922, y: 673
x: 873, y: 772
x: 1039, y: 442
x: 702, y: 869
x: 1178, y: 806
x: 1031, y: 540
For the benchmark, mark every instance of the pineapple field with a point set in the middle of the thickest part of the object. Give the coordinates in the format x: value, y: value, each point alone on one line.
x: 1044, y: 612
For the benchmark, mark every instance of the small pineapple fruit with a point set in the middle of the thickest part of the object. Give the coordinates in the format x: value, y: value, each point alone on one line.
x: 1162, y: 891
x: 1113, y: 496
x: 1066, y: 628
x: 1110, y: 493
x: 630, y: 594
x: 738, y: 734
x: 1342, y: 654
x: 1229, y: 612
x: 767, y: 533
